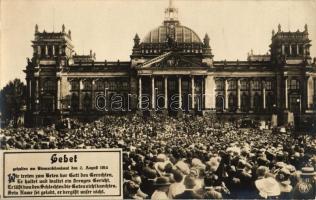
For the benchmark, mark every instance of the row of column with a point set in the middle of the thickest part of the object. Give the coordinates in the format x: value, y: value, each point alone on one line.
x: 153, y: 94
x: 39, y: 50
x: 239, y: 95
x: 291, y: 49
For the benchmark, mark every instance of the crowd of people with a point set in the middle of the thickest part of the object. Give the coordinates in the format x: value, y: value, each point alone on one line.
x: 193, y: 157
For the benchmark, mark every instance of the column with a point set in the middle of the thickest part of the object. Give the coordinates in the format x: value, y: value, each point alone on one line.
x: 92, y: 94
x: 226, y: 94
x: 250, y: 95
x: 46, y: 50
x: 140, y: 92
x: 153, y: 99
x: 58, y: 94
x: 180, y: 92
x: 310, y: 92
x: 297, y: 49
x: 203, y: 93
x: 30, y: 94
x: 238, y: 94
x: 290, y: 46
x: 192, y: 92
x: 37, y: 90
x: 210, y: 94
x: 263, y: 95
x: 286, y: 93
x: 282, y: 49
x: 38, y: 50
x: 53, y: 50
x: 79, y: 95
x: 166, y: 92
x: 60, y: 49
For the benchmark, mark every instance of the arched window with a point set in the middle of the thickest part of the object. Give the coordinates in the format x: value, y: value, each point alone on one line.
x: 257, y: 103
x: 74, y: 102
x: 87, y: 102
x: 294, y: 84
x: 220, y: 102
x: 232, y: 102
x: 245, y: 102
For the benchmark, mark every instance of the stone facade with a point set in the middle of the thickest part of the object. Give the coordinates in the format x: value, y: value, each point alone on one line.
x: 171, y: 70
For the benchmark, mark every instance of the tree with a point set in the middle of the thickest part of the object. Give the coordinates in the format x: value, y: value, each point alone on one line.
x: 12, y: 100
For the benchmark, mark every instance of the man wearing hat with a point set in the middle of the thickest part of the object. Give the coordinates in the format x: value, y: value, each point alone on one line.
x: 283, y: 177
x: 189, y: 192
x: 305, y: 188
x: 162, y: 186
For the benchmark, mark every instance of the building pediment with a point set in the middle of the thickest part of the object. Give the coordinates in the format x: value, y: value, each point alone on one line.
x: 170, y: 60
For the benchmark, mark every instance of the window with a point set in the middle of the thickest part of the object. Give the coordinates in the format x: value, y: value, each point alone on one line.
x: 74, y: 102
x: 232, y: 85
x: 172, y: 85
x: 301, y: 50
x: 244, y: 85
x: 268, y: 85
x: 99, y: 85
x: 220, y: 103
x: 49, y: 85
x: 245, y: 102
x: 270, y: 101
x: 294, y: 84
x: 56, y: 50
x: 87, y: 102
x: 287, y: 50
x: 43, y: 51
x: 256, y: 85
x: 220, y: 84
x: 125, y: 85
x: 232, y: 102
x: 87, y: 85
x: 159, y: 85
x: 74, y: 85
x: 50, y: 50
x: 257, y: 103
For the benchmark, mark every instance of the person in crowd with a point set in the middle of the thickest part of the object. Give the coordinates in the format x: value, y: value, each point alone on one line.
x: 305, y: 188
x: 189, y: 193
x: 177, y: 187
x: 162, y: 186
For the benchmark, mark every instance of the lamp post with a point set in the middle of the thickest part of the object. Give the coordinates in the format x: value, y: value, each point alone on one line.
x: 37, y: 109
x: 299, y: 114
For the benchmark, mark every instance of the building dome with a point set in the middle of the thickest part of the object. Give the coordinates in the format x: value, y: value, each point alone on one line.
x: 178, y: 33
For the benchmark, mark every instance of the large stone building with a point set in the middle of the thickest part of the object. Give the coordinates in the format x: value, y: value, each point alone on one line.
x: 171, y: 71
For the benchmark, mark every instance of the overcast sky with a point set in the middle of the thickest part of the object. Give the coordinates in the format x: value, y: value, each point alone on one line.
x: 108, y: 26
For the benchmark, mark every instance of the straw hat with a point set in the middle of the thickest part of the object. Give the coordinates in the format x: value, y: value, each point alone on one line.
x: 268, y: 187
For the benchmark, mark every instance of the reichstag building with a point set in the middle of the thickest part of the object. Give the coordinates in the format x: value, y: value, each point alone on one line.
x: 171, y: 71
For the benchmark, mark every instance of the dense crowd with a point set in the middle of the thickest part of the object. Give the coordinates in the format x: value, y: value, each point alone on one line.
x: 189, y: 158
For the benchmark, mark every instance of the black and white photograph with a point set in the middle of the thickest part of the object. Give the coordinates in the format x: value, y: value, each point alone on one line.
x: 157, y: 99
